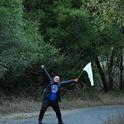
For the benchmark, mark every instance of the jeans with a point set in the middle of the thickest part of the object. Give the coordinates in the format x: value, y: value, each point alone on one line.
x: 54, y: 105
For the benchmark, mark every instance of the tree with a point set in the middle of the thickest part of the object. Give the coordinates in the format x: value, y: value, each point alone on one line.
x: 22, y: 49
x: 83, y: 30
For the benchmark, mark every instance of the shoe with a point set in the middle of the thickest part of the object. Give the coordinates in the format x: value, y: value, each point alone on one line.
x: 40, y: 122
x: 61, y: 123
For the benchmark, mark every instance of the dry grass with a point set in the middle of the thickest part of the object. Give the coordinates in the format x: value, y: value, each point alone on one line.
x: 118, y: 120
x: 92, y: 99
x: 79, y: 100
x: 18, y: 105
x: 79, y: 103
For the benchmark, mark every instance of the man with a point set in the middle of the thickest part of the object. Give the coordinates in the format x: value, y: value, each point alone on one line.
x: 51, y: 95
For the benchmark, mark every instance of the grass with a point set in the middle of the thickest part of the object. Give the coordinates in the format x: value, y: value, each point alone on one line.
x: 118, y: 120
x: 84, y: 99
x: 18, y: 105
x: 79, y: 99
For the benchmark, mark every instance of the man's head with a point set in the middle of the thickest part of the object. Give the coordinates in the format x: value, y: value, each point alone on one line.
x: 57, y: 79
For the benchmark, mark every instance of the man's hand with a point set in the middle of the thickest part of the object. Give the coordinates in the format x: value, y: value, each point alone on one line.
x: 76, y: 79
x: 42, y: 66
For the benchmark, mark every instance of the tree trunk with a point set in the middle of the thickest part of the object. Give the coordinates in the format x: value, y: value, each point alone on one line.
x: 121, y: 71
x: 110, y: 74
x: 101, y: 74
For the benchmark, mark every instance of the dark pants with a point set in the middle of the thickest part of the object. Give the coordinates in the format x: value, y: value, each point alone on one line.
x: 54, y: 105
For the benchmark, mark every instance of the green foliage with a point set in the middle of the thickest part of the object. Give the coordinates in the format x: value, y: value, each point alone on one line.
x: 21, y: 46
x: 64, y: 35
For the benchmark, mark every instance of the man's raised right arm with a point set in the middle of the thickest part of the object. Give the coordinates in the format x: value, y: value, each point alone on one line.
x: 46, y: 72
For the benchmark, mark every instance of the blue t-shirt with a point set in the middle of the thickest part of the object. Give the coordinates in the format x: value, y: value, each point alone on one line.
x: 54, y: 92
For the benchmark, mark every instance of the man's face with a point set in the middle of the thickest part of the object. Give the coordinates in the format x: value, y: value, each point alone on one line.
x: 56, y: 79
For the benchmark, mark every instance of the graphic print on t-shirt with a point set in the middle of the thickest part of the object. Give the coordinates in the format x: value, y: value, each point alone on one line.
x: 54, y: 90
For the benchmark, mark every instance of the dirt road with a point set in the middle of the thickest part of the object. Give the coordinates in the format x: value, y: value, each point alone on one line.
x: 92, y: 115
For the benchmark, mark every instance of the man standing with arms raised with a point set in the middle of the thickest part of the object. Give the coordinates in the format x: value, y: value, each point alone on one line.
x: 51, y: 95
